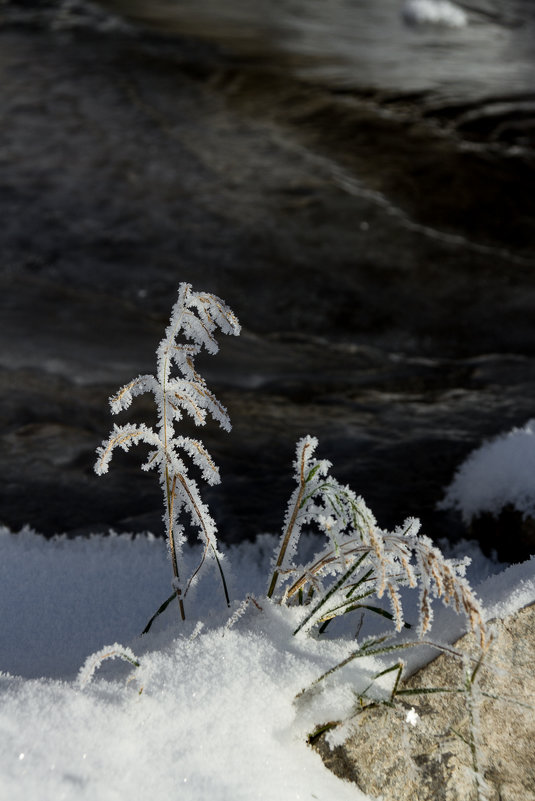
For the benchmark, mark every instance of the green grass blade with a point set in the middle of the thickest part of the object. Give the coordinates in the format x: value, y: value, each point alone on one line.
x: 162, y: 608
x: 312, y: 473
x: 330, y: 593
x: 430, y: 690
x: 225, y: 588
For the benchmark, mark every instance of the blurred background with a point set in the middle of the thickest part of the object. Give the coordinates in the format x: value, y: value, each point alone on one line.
x: 354, y: 177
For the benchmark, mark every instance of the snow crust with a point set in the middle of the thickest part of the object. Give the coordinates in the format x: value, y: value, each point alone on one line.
x: 498, y: 473
x: 214, y: 709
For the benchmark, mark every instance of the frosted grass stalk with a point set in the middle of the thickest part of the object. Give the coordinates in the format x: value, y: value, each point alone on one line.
x: 197, y: 315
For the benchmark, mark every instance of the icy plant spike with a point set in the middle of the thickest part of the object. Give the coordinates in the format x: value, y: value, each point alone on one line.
x: 197, y: 315
x: 305, y: 448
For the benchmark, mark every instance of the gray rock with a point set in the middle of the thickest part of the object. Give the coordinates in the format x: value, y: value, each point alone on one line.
x: 386, y: 755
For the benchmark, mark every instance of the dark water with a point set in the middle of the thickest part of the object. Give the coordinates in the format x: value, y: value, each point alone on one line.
x: 362, y: 44
x: 359, y: 191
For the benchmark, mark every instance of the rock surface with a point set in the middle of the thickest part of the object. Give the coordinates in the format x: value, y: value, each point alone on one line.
x: 388, y: 756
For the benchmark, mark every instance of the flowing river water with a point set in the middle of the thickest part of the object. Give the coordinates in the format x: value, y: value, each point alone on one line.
x: 358, y: 189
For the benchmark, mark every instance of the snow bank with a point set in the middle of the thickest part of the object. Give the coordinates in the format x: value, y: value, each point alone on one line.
x: 213, y: 711
x: 208, y: 714
x: 200, y: 719
x: 509, y: 591
x: 62, y: 599
x: 498, y: 473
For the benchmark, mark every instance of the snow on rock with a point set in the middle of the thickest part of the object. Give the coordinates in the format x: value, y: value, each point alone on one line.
x: 498, y: 473
x: 509, y: 591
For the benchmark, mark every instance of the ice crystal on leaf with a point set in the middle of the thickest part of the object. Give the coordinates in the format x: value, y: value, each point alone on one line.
x: 197, y: 316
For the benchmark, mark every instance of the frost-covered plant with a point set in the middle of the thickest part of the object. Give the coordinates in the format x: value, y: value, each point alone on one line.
x: 95, y: 660
x: 196, y: 315
x: 360, y: 561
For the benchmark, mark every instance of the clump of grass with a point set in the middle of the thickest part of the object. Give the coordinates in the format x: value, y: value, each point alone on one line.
x: 360, y: 562
x: 360, y: 565
x: 197, y: 315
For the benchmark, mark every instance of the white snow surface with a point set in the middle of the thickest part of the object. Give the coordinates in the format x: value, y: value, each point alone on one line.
x: 210, y: 713
x: 498, y: 473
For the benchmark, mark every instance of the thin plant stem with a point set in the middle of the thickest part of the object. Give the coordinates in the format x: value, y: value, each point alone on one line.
x: 170, y: 533
x: 331, y: 592
x: 367, y: 649
x: 203, y: 526
x: 171, y: 493
x: 291, y: 524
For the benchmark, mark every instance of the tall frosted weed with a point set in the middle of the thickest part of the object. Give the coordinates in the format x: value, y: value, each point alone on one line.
x: 197, y: 315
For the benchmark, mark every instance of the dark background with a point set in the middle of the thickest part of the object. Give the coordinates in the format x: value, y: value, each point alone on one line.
x: 370, y: 225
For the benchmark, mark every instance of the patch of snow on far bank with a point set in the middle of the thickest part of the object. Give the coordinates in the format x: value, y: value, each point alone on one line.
x: 499, y: 473
x: 434, y: 12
